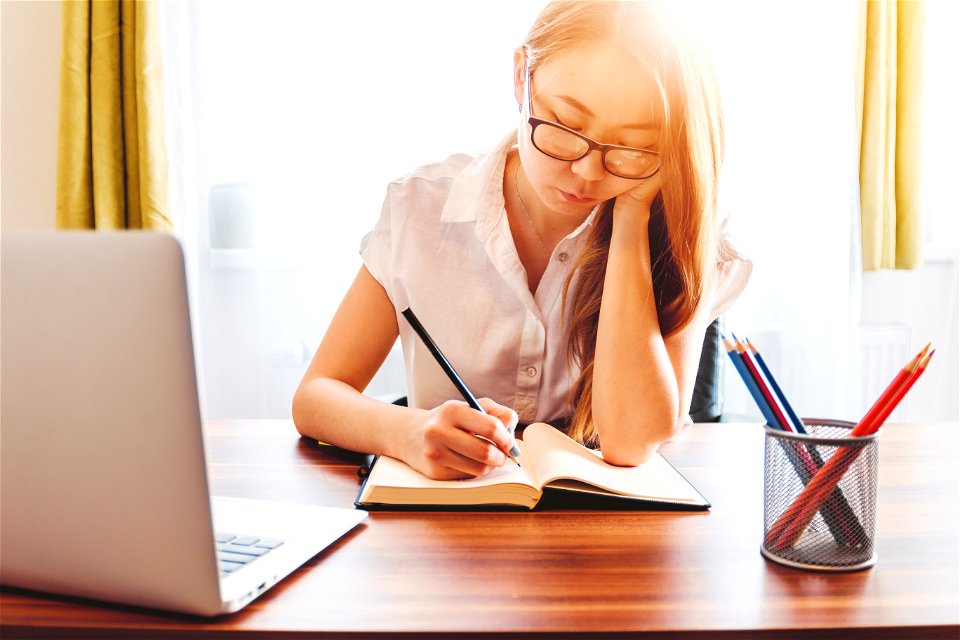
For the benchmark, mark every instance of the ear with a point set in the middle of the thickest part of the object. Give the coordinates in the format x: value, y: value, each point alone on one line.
x: 519, y: 69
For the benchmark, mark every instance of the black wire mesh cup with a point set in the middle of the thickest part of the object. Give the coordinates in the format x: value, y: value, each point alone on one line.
x: 841, y: 536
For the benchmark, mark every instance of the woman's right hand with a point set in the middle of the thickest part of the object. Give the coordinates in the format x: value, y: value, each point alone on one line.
x: 444, y: 445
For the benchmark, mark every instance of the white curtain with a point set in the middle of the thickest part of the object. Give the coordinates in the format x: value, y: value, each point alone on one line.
x: 791, y: 190
x: 290, y: 118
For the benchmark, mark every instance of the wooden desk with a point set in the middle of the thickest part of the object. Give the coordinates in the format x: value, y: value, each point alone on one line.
x: 663, y: 574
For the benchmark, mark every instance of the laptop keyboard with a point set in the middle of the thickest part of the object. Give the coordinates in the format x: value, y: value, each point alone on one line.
x: 237, y: 551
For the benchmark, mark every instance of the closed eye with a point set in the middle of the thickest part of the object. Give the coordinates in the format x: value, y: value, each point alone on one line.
x: 566, y: 124
x: 639, y: 150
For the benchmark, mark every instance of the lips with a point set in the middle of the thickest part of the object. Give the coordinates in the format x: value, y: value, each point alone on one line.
x: 575, y: 199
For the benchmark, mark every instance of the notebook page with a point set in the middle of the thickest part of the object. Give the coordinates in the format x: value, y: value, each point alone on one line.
x: 556, y: 456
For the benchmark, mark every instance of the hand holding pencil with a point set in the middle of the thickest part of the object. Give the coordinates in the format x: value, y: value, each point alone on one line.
x: 511, y: 449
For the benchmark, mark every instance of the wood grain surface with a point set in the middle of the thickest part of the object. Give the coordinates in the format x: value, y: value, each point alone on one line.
x: 552, y: 574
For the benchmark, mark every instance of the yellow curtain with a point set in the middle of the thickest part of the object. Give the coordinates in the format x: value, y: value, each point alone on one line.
x: 889, y: 113
x: 112, y: 161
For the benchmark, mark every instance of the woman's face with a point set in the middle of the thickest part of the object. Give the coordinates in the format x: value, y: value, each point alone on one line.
x: 600, y: 92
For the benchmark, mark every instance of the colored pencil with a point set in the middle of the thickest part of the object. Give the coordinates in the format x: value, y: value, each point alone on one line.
x: 750, y: 383
x: 778, y: 392
x: 870, y: 422
x: 794, y: 521
x: 797, y: 517
x: 781, y: 419
x: 902, y: 391
x: 837, y: 513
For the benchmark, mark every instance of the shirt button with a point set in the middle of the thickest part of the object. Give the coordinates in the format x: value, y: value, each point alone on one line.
x: 562, y: 257
x: 531, y: 371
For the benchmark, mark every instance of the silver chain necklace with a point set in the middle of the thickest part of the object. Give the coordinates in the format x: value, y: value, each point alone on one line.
x: 523, y: 209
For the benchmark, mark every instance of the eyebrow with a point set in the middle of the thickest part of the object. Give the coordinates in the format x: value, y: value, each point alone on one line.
x: 576, y: 104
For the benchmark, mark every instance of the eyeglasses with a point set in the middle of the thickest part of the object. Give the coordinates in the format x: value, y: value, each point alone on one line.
x: 559, y: 142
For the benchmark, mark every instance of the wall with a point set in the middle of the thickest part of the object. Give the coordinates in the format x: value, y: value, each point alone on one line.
x: 29, y: 87
x: 29, y: 61
x: 889, y: 298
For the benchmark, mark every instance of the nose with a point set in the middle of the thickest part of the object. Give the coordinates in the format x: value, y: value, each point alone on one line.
x: 590, y: 167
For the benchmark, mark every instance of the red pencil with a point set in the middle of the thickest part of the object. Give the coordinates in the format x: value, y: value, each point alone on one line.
x: 868, y: 423
x: 751, y: 365
x: 797, y: 517
x: 902, y: 391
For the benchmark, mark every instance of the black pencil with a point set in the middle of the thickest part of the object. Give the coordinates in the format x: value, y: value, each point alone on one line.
x: 450, y: 371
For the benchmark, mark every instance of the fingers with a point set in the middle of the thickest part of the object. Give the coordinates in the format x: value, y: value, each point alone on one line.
x: 468, y: 455
x: 451, y: 444
x: 445, y: 461
x: 643, y: 193
x: 506, y: 415
x: 502, y: 437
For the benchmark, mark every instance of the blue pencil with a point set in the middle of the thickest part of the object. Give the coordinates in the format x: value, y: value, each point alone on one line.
x: 797, y: 422
x: 752, y: 387
x: 840, y: 518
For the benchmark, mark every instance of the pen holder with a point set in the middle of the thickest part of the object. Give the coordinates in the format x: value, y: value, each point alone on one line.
x: 833, y: 524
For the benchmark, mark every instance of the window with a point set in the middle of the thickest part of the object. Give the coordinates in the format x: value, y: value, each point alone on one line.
x: 289, y: 119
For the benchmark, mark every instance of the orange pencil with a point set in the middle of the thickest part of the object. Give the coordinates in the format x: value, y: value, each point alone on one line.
x: 868, y: 423
x: 797, y: 517
x: 902, y: 391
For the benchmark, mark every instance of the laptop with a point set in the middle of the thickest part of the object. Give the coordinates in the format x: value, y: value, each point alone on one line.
x: 102, y: 468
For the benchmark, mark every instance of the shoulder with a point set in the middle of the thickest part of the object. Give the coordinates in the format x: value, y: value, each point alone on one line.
x: 436, y: 176
x: 415, y: 202
x: 461, y: 189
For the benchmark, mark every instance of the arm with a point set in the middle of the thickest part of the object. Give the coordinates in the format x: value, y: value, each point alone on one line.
x: 642, y: 383
x: 329, y: 404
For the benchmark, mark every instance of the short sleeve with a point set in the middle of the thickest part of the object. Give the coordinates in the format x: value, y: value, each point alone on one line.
x: 732, y: 280
x: 375, y: 248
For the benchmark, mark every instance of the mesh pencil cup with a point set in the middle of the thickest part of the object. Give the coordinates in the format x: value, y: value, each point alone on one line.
x: 821, y: 521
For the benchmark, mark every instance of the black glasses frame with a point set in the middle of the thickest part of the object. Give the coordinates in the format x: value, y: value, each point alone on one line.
x: 592, y: 145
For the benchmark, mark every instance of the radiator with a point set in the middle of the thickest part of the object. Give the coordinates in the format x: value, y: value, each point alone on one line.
x: 884, y: 349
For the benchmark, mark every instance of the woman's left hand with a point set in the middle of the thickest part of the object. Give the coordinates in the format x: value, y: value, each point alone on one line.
x: 640, y: 198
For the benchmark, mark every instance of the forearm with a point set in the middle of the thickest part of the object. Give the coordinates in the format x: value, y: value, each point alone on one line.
x: 334, y: 412
x: 635, y: 389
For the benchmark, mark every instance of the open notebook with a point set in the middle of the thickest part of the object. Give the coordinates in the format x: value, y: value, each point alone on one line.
x: 553, y: 469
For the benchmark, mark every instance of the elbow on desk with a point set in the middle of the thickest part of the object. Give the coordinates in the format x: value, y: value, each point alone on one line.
x: 620, y: 457
x: 300, y: 410
x: 632, y: 452
x: 629, y: 434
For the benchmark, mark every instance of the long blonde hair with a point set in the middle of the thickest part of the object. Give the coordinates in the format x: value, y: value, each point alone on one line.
x: 685, y: 239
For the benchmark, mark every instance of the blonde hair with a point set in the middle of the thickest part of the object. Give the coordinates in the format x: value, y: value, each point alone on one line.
x: 685, y: 239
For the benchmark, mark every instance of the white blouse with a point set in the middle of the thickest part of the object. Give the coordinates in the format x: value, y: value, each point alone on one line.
x: 443, y: 247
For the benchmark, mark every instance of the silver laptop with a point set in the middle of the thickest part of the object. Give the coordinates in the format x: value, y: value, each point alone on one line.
x: 102, y: 469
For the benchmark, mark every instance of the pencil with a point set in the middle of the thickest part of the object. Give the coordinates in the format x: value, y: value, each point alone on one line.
x: 451, y: 372
x: 902, y: 391
x: 869, y: 422
x: 837, y: 513
x: 797, y: 517
x: 781, y: 420
x: 778, y: 392
x: 806, y: 461
x: 737, y: 359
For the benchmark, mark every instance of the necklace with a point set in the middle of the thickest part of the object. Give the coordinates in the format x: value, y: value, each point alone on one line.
x: 523, y: 209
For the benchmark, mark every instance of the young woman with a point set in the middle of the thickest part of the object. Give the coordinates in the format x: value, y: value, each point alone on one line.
x: 569, y: 274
